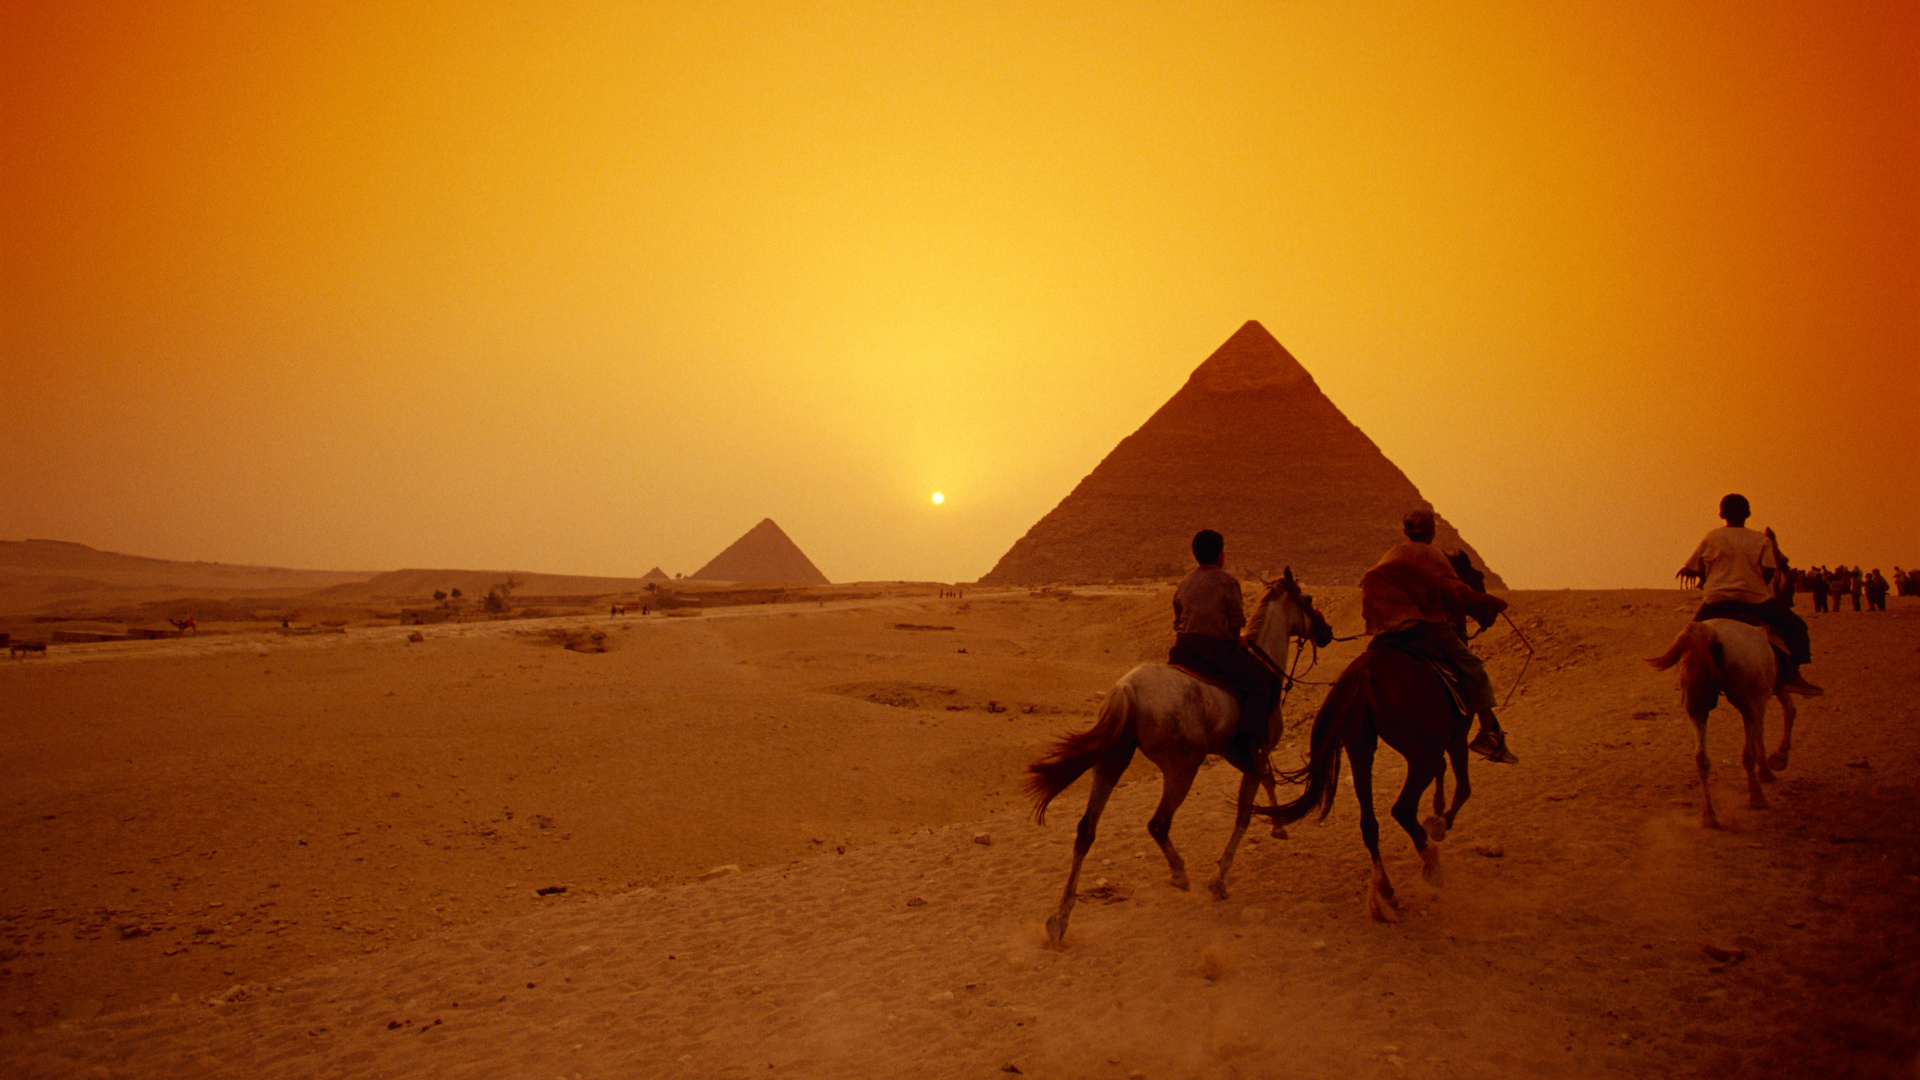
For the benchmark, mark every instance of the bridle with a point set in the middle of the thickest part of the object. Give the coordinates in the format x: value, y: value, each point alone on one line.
x: 1289, y: 678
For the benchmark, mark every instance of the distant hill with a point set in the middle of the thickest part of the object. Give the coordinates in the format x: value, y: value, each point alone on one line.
x: 39, y: 574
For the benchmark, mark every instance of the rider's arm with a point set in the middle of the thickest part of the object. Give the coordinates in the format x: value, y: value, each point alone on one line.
x: 1696, y: 563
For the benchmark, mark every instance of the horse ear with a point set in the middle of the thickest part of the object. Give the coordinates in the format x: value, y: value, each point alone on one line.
x: 1287, y: 576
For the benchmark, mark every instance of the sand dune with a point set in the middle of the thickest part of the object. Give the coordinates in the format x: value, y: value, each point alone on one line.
x: 262, y: 856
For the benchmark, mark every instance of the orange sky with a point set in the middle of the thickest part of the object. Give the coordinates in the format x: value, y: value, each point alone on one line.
x: 371, y: 286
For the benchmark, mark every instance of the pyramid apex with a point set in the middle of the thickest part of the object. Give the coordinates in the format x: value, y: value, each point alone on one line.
x: 1252, y: 359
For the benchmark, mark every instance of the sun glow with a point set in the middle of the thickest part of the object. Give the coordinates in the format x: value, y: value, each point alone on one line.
x: 938, y: 498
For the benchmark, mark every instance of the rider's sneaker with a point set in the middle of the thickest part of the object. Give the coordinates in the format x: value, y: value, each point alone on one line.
x: 1802, y: 687
x: 1492, y: 745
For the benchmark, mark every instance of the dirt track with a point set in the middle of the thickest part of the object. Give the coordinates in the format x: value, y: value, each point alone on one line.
x: 326, y: 828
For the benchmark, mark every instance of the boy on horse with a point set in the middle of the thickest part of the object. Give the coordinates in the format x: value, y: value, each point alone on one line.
x: 1208, y: 614
x: 1736, y: 567
x: 1414, y: 594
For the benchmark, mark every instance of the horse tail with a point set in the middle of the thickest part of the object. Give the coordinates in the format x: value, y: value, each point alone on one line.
x: 1697, y: 650
x: 1347, y: 704
x: 1072, y: 755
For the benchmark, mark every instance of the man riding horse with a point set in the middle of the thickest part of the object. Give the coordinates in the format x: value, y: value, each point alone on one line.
x: 1208, y: 614
x: 1413, y: 600
x: 1737, y: 568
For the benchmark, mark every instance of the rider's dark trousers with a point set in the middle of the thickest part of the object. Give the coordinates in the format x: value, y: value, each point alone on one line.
x: 1792, y: 628
x: 1230, y: 662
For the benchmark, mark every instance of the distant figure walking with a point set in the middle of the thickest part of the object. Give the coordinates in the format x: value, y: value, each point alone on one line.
x: 1876, y: 591
x: 1817, y: 585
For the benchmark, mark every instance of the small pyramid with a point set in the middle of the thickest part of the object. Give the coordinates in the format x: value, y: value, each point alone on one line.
x: 655, y: 574
x: 1250, y: 447
x: 764, y: 554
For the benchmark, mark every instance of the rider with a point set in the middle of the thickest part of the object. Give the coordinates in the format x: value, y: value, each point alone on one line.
x: 1207, y: 616
x: 1736, y: 567
x: 1413, y: 592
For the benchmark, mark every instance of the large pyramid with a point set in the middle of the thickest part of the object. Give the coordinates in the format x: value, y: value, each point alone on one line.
x: 1250, y: 447
x: 764, y: 554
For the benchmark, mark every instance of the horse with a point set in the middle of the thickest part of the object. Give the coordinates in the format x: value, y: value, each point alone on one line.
x: 1725, y: 656
x: 1176, y: 720
x: 1732, y: 658
x: 184, y: 625
x: 1385, y: 695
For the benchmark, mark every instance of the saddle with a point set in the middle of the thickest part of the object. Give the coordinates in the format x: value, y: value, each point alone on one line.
x: 1409, y: 643
x: 1208, y: 679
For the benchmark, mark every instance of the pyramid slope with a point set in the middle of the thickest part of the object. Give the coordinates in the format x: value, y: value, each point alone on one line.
x: 1250, y: 446
x: 765, y: 553
x: 655, y: 574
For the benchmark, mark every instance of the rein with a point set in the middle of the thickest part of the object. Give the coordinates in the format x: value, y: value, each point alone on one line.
x: 1523, y: 667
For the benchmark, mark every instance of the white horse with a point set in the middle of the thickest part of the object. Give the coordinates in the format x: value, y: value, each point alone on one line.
x: 1177, y: 720
x: 1722, y: 656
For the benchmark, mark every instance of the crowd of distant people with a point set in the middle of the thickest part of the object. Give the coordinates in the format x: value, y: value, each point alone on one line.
x: 1831, y: 588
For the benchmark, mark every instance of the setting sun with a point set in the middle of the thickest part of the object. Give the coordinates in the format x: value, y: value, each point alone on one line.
x: 938, y: 498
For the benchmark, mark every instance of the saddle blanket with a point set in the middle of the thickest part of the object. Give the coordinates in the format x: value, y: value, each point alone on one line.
x: 1411, y: 645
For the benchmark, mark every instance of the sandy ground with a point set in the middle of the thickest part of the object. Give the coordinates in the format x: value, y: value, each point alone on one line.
x: 321, y: 855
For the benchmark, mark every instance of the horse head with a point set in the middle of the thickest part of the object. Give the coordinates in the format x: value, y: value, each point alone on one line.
x: 1464, y: 567
x: 1303, y: 620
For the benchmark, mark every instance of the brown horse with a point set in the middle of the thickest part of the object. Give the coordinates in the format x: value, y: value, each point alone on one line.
x: 1384, y: 695
x: 1176, y: 720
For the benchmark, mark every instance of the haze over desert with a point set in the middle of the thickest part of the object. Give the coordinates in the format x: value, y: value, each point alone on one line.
x: 576, y: 540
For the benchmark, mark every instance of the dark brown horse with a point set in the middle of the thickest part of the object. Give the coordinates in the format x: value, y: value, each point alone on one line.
x: 1386, y: 695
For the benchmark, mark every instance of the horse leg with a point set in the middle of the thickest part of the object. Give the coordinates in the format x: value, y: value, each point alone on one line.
x: 1462, y: 787
x: 1700, y: 761
x: 1279, y: 830
x: 1105, y: 775
x: 1441, y: 819
x: 1243, y: 813
x: 1753, y: 755
x: 1779, y: 758
x: 1380, y: 899
x: 1406, y: 811
x: 1176, y: 778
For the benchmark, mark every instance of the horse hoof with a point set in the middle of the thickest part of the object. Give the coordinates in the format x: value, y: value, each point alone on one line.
x: 1758, y: 802
x: 1182, y: 884
x: 1777, y: 762
x: 1382, y: 908
x: 1708, y: 821
x: 1218, y: 888
x: 1056, y: 931
x: 1436, y: 827
x: 1279, y: 832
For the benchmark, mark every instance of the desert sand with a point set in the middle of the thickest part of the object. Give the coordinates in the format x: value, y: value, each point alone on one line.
x: 791, y: 842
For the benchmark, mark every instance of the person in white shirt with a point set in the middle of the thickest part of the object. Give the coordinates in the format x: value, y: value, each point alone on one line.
x: 1736, y: 568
